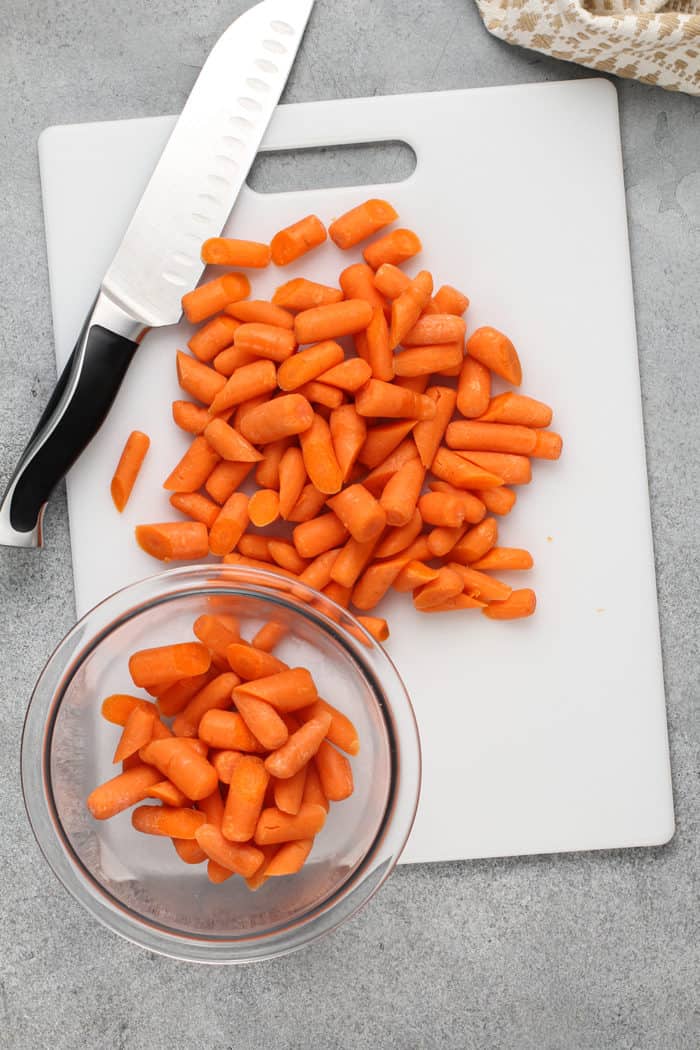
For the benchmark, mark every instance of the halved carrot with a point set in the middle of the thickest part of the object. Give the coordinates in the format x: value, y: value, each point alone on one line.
x: 262, y: 719
x: 260, y: 311
x: 320, y: 534
x: 136, y: 733
x: 361, y: 222
x: 194, y: 468
x: 401, y: 492
x: 514, y: 469
x: 357, y: 282
x: 250, y: 662
x: 349, y: 375
x: 190, y: 417
x: 332, y: 321
x: 301, y: 746
x: 503, y: 558
x: 495, y: 350
x: 308, y: 505
x: 341, y: 731
x: 382, y: 439
x: 309, y: 364
x: 476, y: 542
x: 231, y: 445
x: 128, y: 467
x: 385, y: 399
x: 521, y: 603
x: 443, y: 538
x: 335, y: 773
x: 217, y: 633
x: 213, y: 337
x: 215, y: 695
x: 318, y: 573
x: 292, y: 478
x: 441, y: 508
x: 322, y: 394
x: 301, y: 294
x: 122, y: 791
x: 245, y: 798
x: 414, y: 574
x: 197, y: 379
x: 517, y: 409
x: 196, y: 506
x: 398, y: 538
x: 376, y: 480
x: 447, y: 584
x: 264, y: 507
x: 286, y: 690
x: 351, y: 561
x: 424, y: 360
x: 408, y: 306
x: 472, y: 435
x: 321, y: 465
x: 296, y: 240
x: 390, y: 281
x: 238, y: 857
x: 265, y: 340
x: 359, y: 512
x: 213, y: 296
x: 248, y: 381
x: 479, y: 585
x: 548, y: 445
x: 458, y: 472
x: 434, y: 329
x: 348, y: 433
x: 286, y: 415
x: 173, y: 822
x: 449, y: 300
x: 227, y: 251
x: 275, y: 827
x: 227, y: 730
x: 225, y: 478
x: 375, y: 582
x: 498, y: 500
x: 229, y: 525
x: 377, y: 627
x: 167, y: 663
x: 395, y: 247
x: 429, y: 433
x: 285, y: 555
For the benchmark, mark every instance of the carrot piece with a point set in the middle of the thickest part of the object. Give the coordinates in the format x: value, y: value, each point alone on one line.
x: 254, y: 546
x: 471, y: 435
x: 117, y: 707
x: 286, y: 690
x: 122, y: 791
x: 361, y: 222
x: 217, y: 633
x: 473, y: 388
x: 197, y: 507
x: 190, y: 417
x: 167, y: 663
x: 300, y: 294
x: 390, y: 280
x: 158, y: 753
x: 398, y: 538
x: 456, y: 471
x: 357, y: 282
x: 447, y: 584
x: 498, y: 500
x: 441, y: 508
x: 280, y: 418
x: 318, y: 573
x: 414, y: 574
x: 503, y: 558
x: 194, y: 468
x: 395, y: 247
x: 177, y: 696
x: 408, y: 306
x: 322, y: 394
x: 267, y: 472
x: 321, y: 465
x: 224, y: 762
x: 174, y: 822
x: 376, y: 626
x: 338, y: 594
x: 401, y: 492
x: 379, y: 355
x: 308, y: 364
x: 359, y: 512
x: 341, y: 730
x: 262, y: 720
x: 128, y: 467
x: 227, y: 251
x: 212, y: 807
x: 318, y: 535
x: 332, y: 321
x: 514, y: 469
x: 289, y: 858
x: 429, y: 433
x: 259, y: 311
x: 377, y: 479
x: 229, y: 444
x: 245, y: 798
x: 136, y: 733
x: 214, y: 695
x: 476, y: 542
x: 479, y: 585
x: 263, y: 507
x: 240, y: 858
x: 227, y: 730
x: 376, y: 581
x: 351, y: 561
x: 231, y: 358
x: 419, y: 550
x: 275, y: 827
x: 188, y: 851
x: 234, y: 558
x: 443, y: 538
x: 288, y: 794
x: 418, y: 384
x: 382, y: 439
x: 385, y: 399
x: 285, y: 555
x: 296, y: 240
x: 187, y: 769
x: 348, y: 433
x: 248, y: 381
x: 313, y: 792
x: 198, y: 379
x: 265, y: 340
x: 308, y: 505
x: 436, y: 329
x: 348, y: 375
x: 230, y: 524
x: 268, y: 636
x: 335, y: 773
x: 424, y: 360
x: 250, y: 662
x: 292, y: 477
x: 548, y: 445
x: 213, y: 337
x: 456, y: 604
x: 225, y: 479
x: 301, y: 746
x: 518, y: 410
x: 521, y: 603
x: 213, y: 296
x: 450, y: 301
x: 495, y: 350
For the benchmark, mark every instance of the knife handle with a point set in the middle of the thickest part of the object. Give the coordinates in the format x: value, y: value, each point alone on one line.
x: 76, y: 409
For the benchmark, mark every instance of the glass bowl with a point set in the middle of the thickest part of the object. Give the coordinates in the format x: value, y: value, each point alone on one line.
x: 135, y: 884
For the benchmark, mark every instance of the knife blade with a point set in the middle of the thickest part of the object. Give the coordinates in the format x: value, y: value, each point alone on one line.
x: 187, y: 200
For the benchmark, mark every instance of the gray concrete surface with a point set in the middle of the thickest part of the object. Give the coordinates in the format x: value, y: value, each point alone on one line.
x: 580, y: 952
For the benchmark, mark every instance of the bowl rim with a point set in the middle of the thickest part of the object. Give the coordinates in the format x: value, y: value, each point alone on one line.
x: 393, y: 701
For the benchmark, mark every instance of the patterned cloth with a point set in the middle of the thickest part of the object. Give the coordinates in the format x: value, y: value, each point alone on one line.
x: 651, y: 40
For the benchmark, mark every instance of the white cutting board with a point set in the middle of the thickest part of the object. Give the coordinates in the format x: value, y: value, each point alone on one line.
x: 539, y: 736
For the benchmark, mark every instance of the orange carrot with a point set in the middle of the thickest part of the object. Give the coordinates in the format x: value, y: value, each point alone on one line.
x: 225, y: 479
x: 267, y: 472
x: 159, y: 753
x: 401, y: 492
x: 227, y: 730
x: 398, y: 538
x: 424, y: 360
x: 313, y: 537
x: 436, y: 329
x: 429, y: 433
x: 190, y: 417
x: 520, y: 604
x: 265, y: 340
x: 447, y: 584
x: 443, y: 538
x: 214, y: 695
x: 301, y: 294
x: 376, y: 480
x: 177, y: 696
x: 166, y: 663
x: 382, y: 439
x: 322, y: 394
x: 235, y: 558
x: 341, y: 730
x: 288, y: 794
x: 495, y: 350
x: 224, y: 762
x: 321, y: 465
x: 308, y: 505
x: 456, y: 471
x: 450, y: 301
x: 122, y: 791
x: 269, y: 635
x: 229, y: 444
x: 263, y: 507
x: 456, y: 604
x: 285, y: 555
x: 226, y: 251
x: 441, y: 508
x: 117, y: 707
x: 385, y: 399
x: 348, y: 433
x: 376, y: 626
x: 262, y: 720
x: 194, y: 468
x: 286, y: 415
x: 376, y: 581
x: 414, y: 574
x: 349, y: 375
x: 313, y: 792
x: 217, y: 633
x: 197, y: 379
x: 479, y: 585
x: 292, y: 478
x: 213, y: 337
x: 174, y: 822
x: 332, y: 321
x: 318, y: 573
x: 418, y: 384
x: 351, y: 561
x: 335, y: 773
x: 213, y: 296
x: 308, y: 364
x: 477, y: 542
x: 259, y: 311
x: 408, y: 306
x: 250, y: 662
x: 286, y: 690
x: 289, y: 858
x: 231, y: 358
x: 187, y: 769
x: 390, y: 280
x: 296, y: 240
x: 514, y: 469
x: 471, y: 435
x: 246, y: 407
x: 212, y: 806
x: 357, y: 282
x: 548, y: 445
x: 497, y: 500
x: 502, y: 558
x: 274, y: 826
x: 338, y: 594
x: 229, y: 525
x: 240, y: 858
x: 136, y: 733
x: 188, y: 851
x: 395, y: 247
x: 197, y: 507
x: 518, y: 410
x: 301, y: 746
x: 359, y: 512
x: 245, y: 798
x: 248, y: 381
x: 128, y: 467
x: 361, y: 222
x: 166, y: 792
x: 379, y: 355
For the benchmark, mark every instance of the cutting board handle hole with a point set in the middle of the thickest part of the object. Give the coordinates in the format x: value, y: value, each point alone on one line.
x: 328, y: 167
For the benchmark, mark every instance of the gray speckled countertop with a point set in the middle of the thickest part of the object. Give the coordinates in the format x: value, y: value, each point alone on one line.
x: 577, y: 952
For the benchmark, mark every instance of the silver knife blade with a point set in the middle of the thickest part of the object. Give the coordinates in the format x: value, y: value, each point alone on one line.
x: 205, y: 162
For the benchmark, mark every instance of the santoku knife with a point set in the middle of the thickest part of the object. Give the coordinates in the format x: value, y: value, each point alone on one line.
x: 188, y: 199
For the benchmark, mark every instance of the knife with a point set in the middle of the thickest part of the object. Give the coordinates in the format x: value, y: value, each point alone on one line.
x: 188, y: 199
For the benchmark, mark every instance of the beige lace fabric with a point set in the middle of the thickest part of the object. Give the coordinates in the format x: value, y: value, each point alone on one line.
x: 650, y: 40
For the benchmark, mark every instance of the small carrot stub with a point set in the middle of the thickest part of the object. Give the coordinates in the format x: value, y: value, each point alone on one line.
x: 414, y: 574
x: 301, y: 746
x: 449, y: 300
x: 122, y: 791
x: 446, y: 585
x: 429, y: 433
x: 518, y: 410
x: 520, y: 604
x: 408, y: 306
x: 250, y: 663
x: 296, y: 240
x: 264, y: 507
x: 348, y: 433
x: 548, y: 445
x: 244, y: 801
x: 194, y: 468
x: 213, y: 296
x: 213, y: 337
x: 318, y: 535
x: 473, y: 388
x: 341, y: 730
x: 301, y: 294
x: 501, y: 559
x: 227, y: 251
x: 333, y: 321
x: 401, y: 493
x: 385, y: 399
x: 256, y: 379
x: 395, y: 247
x: 309, y: 364
x: 476, y: 542
x: 137, y: 732
x: 348, y: 375
x: 261, y: 311
x: 377, y: 627
x: 238, y: 857
x: 357, y: 282
x: 196, y: 506
x: 495, y: 350
x: 227, y: 730
x: 514, y: 469
x: 128, y: 467
x: 283, y: 417
x: 168, y: 663
x: 265, y: 340
x: 436, y: 329
x: 175, y: 822
x: 335, y: 773
x: 229, y: 525
x: 390, y: 281
x: 498, y: 500
x: 360, y: 513
x: 320, y: 461
x: 361, y: 222
x: 275, y: 827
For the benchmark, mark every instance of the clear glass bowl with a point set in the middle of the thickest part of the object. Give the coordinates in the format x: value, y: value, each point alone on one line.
x: 135, y: 884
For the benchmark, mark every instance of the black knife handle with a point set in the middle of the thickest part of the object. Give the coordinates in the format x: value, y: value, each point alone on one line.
x: 76, y: 409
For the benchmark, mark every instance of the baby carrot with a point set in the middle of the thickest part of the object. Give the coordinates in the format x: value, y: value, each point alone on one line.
x: 386, y: 399
x: 320, y: 534
x: 476, y: 542
x: 308, y: 364
x: 250, y: 662
x: 398, y: 538
x: 286, y: 415
x: 286, y: 690
x: 227, y: 361
x: 414, y: 574
x: 229, y: 444
x: 308, y: 505
x: 497, y: 500
x: 246, y: 407
x: 408, y: 306
x: 265, y: 340
x: 296, y: 240
x: 128, y: 467
x: 401, y: 492
x: 275, y: 827
x: 301, y: 746
x: 260, y: 311
x: 264, y: 507
x: 335, y: 773
x: 424, y: 360
x: 502, y: 558
x: 351, y: 561
x: 285, y: 555
x: 337, y: 593
x: 377, y: 479
x: 359, y: 512
x: 225, y: 479
x: 447, y: 584
x: 248, y: 381
x: 322, y: 394
x: 301, y: 294
x: 177, y: 696
x: 473, y: 388
x: 376, y: 581
x: 395, y: 247
x: 450, y: 301
x: 166, y: 663
x: 262, y: 720
x: 213, y: 337
x: 379, y: 355
x: 197, y: 379
x: 548, y: 445
x: 229, y: 525
x: 188, y: 851
x: 332, y: 321
x: 289, y: 858
x: 361, y: 222
x: 341, y: 730
x: 174, y: 822
x: 227, y: 251
x: 390, y: 280
x: 318, y: 573
x: 227, y: 730
x: 238, y: 857
x: 418, y: 384
x: 443, y: 538
x: 122, y: 791
x: 217, y: 634
x: 224, y: 762
x: 452, y: 468
x: 321, y: 465
x: 435, y: 329
x: 520, y: 604
x: 456, y: 604
x: 292, y: 478
x: 514, y: 469
x: 117, y: 707
x: 136, y: 733
x: 213, y: 296
x: 313, y: 792
x: 348, y: 433
x: 471, y: 435
x: 194, y: 468
x: 245, y: 798
x: 495, y: 350
x: 349, y: 375
x: 212, y: 807
x: 214, y: 695
x: 429, y: 433
x: 479, y: 585
x: 377, y: 627
x: 166, y: 792
x: 517, y: 409
x: 190, y: 417
x: 267, y: 472
x: 288, y: 794
x: 197, y: 507
x: 441, y: 508
x: 253, y: 546
x: 357, y: 282
x: 188, y: 770
x: 268, y: 636
x: 159, y: 753
x: 382, y: 439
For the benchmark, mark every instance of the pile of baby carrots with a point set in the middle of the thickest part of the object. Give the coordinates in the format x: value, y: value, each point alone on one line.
x: 368, y: 418
x: 243, y: 776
